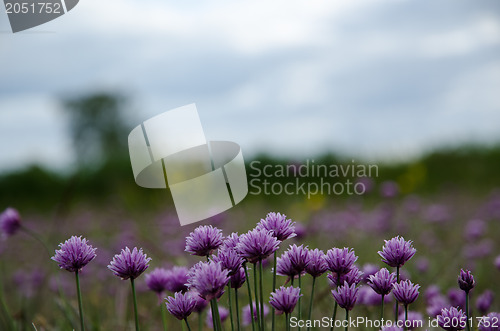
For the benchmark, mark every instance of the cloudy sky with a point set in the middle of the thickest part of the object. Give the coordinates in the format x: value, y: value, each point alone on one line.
x: 370, y: 78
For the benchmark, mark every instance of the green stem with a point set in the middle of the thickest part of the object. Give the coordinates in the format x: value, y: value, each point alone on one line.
x: 334, y: 316
x: 397, y: 306
x: 134, y: 298
x: 80, y: 306
x: 263, y: 325
x: 200, y: 321
x: 237, y: 308
x: 406, y: 316
x: 287, y: 321
x: 467, y: 309
x: 311, y: 301
x: 300, y: 299
x: 186, y: 320
x: 347, y: 319
x: 249, y: 296
x: 212, y: 310
x: 163, y: 316
x: 230, y: 304
x: 217, y: 316
x: 382, y: 310
x: 257, y: 310
x: 274, y: 288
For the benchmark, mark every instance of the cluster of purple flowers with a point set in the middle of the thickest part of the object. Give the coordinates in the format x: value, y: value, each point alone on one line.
x: 227, y: 265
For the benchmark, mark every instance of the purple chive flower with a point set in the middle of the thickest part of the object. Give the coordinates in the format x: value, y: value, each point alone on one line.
x: 28, y: 282
x: 298, y: 257
x: 177, y: 278
x: 391, y: 328
x: 367, y: 296
x: 229, y: 259
x: 456, y: 297
x: 474, y: 229
x: 203, y: 240
x: 293, y: 261
x: 246, y: 313
x: 490, y: 322
x: 284, y: 299
x: 382, y: 282
x: 422, y: 265
x: 157, y: 280
x: 339, y: 260
x: 300, y: 231
x: 431, y: 292
x: 209, y: 279
x: 129, y: 263
x: 284, y: 266
x: 238, y: 278
x: 437, y: 214
x: 346, y: 295
x: 354, y: 276
x: 497, y: 262
x: 466, y: 281
x: 316, y: 264
x: 452, y: 314
x: 281, y: 227
x: 369, y: 269
x: 478, y: 250
x: 74, y: 254
x: 484, y: 301
x: 389, y: 189
x: 10, y: 222
x: 231, y: 241
x: 223, y: 314
x: 397, y: 251
x: 406, y: 292
x: 436, y: 304
x: 181, y: 305
x: 366, y: 182
x: 257, y: 245
x: 200, y: 303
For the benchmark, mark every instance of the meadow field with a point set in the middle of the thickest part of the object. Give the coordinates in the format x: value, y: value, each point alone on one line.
x: 450, y: 214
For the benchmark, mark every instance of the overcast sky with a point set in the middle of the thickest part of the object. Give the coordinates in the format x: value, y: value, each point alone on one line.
x: 372, y: 79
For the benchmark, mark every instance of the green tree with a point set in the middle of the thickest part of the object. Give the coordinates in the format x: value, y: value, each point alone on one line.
x: 98, y: 127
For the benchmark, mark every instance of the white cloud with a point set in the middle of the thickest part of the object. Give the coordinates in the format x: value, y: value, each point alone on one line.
x: 482, y: 32
x: 31, y: 132
x: 373, y: 77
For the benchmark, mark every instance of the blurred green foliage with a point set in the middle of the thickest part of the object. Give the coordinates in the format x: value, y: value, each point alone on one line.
x: 99, y: 127
x: 473, y: 169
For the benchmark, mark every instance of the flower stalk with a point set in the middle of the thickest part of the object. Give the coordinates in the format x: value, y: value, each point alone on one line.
x: 80, y: 306
x: 311, y: 301
x: 249, y: 296
x: 230, y: 304
x: 134, y: 298
x: 274, y: 288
